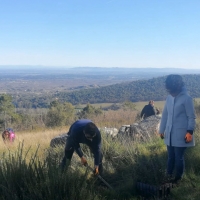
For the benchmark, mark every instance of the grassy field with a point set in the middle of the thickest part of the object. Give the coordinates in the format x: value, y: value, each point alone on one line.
x: 30, y: 169
x: 138, y: 105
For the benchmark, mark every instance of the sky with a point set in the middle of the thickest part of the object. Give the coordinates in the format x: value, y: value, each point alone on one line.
x: 100, y: 33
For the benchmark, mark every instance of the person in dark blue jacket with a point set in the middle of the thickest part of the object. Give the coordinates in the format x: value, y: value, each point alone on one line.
x: 86, y: 132
x: 148, y: 110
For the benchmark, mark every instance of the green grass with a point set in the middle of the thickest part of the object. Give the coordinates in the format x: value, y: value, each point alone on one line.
x: 30, y: 177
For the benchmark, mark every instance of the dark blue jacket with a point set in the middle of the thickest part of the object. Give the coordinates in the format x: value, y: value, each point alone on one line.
x: 148, y: 111
x: 77, y: 135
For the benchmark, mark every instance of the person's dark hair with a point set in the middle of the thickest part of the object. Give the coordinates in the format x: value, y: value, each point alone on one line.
x: 4, y: 134
x: 151, y: 102
x: 90, y: 129
x: 174, y: 83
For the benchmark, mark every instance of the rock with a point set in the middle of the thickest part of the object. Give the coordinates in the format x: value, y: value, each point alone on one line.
x: 124, y: 129
x: 144, y: 129
x: 109, y: 131
x: 59, y: 140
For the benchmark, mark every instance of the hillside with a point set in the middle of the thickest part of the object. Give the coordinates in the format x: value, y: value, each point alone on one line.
x: 140, y: 90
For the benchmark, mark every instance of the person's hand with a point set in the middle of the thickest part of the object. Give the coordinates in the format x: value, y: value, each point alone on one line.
x: 96, y: 170
x: 188, y: 137
x: 162, y: 136
x: 84, y: 161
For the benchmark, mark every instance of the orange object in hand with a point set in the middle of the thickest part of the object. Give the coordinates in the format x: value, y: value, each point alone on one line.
x: 96, y: 170
x: 188, y: 137
x: 83, y: 161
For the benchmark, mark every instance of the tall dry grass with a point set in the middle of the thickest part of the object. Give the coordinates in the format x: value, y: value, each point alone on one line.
x: 114, y: 118
x: 32, y: 140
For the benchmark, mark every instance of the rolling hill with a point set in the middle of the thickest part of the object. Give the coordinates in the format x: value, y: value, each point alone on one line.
x: 135, y: 91
x: 141, y: 90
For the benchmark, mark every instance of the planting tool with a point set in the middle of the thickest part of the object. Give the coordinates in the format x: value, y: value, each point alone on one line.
x: 100, y: 177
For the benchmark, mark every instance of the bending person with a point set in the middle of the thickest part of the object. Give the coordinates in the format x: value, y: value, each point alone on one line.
x: 86, y: 132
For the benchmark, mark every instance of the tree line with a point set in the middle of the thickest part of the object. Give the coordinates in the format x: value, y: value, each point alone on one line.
x: 56, y: 115
x: 64, y: 114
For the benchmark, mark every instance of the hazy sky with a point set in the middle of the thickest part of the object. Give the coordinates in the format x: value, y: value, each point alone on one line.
x: 100, y: 33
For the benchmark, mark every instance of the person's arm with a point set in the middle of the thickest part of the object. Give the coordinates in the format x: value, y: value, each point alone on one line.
x: 190, y: 112
x: 143, y: 111
x: 157, y: 111
x: 153, y: 110
x: 12, y: 136
x: 163, y: 121
x: 97, y: 153
x: 78, y: 150
x: 74, y: 134
x: 97, y: 149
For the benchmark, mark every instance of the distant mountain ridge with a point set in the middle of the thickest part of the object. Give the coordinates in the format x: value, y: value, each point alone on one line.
x: 45, y: 71
x: 140, y: 90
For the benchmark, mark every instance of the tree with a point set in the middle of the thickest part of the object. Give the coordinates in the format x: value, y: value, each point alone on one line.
x: 7, y: 109
x: 6, y: 104
x: 60, y: 114
x: 89, y: 110
x: 128, y: 105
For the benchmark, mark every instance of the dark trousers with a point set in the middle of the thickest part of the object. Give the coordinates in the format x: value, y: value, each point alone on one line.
x: 69, y: 150
x: 176, y: 160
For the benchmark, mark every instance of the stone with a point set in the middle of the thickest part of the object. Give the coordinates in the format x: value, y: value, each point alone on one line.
x: 59, y: 140
x: 144, y: 129
x: 109, y: 131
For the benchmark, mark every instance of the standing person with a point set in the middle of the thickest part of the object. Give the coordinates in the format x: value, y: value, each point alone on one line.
x: 177, y: 125
x: 148, y: 110
x: 86, y: 132
x: 8, y: 135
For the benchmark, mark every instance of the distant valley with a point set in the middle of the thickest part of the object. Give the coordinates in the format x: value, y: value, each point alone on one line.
x: 37, y: 86
x: 45, y: 80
